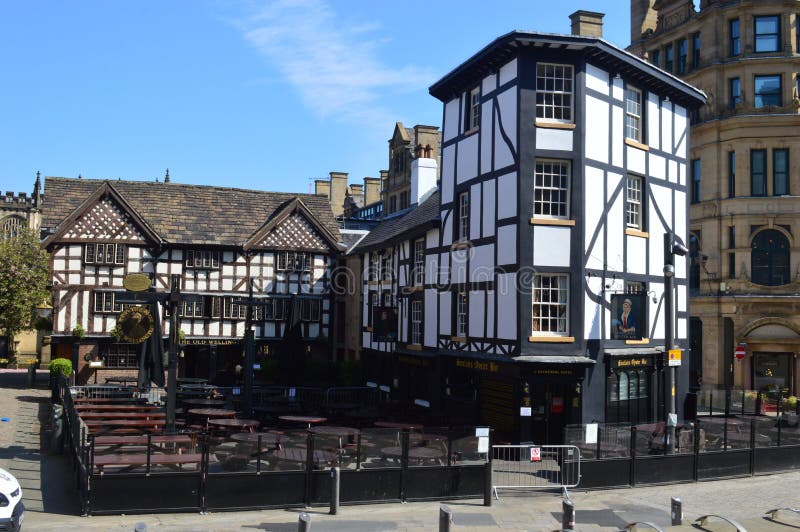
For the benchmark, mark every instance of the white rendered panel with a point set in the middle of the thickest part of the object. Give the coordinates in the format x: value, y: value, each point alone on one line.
x: 507, y: 307
x: 551, y: 246
x: 467, y: 159
x: 459, y: 265
x: 616, y: 223
x: 657, y: 166
x: 595, y: 179
x: 447, y: 236
x: 653, y: 121
x: 475, y: 211
x: 444, y: 269
x: 681, y: 230
x: 73, y: 309
x: 508, y: 72
x: 451, y: 119
x: 672, y: 171
x: 507, y: 111
x: 618, y: 89
x: 481, y: 264
x: 61, y: 313
x: 490, y: 302
x: 85, y: 297
x: 663, y: 198
x: 74, y: 264
x: 554, y: 139
x: 488, y: 84
x: 507, y: 244
x: 61, y: 252
x: 507, y: 190
x: 444, y: 313
x: 448, y: 177
x: 59, y: 265
x: 681, y: 333
x: 432, y: 238
x: 488, y: 208
x: 637, y: 254
x: 596, y: 79
x: 592, y: 311
x: 477, y: 314
x: 682, y: 174
x: 431, y: 325
x: 486, y: 136
x: 75, y: 278
x: 617, y: 134
x: 636, y: 160
x: 681, y: 132
x: 666, y: 127
x: 430, y: 269
x: 596, y: 129
x: 681, y: 299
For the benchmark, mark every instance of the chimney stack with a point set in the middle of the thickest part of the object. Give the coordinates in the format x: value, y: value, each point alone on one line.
x: 587, y: 23
x: 423, y: 178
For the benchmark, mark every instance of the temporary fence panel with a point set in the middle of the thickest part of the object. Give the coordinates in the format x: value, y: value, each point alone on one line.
x: 535, y: 466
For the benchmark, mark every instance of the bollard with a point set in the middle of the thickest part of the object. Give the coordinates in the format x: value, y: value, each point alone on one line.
x: 676, y: 511
x: 335, y: 483
x: 567, y: 514
x: 140, y: 527
x: 31, y: 376
x: 445, y: 518
x: 304, y: 523
x: 487, y: 484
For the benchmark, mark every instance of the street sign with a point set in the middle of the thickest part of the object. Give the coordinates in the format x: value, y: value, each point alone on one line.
x: 740, y: 351
x: 675, y: 357
x: 536, y: 454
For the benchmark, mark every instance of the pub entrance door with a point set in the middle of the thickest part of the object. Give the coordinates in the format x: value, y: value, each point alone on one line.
x: 554, y: 404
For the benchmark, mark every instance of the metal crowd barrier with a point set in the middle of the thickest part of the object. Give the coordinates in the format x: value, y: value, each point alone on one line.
x: 530, y: 466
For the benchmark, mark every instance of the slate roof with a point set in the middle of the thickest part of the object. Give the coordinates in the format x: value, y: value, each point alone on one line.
x: 186, y: 214
x: 424, y: 215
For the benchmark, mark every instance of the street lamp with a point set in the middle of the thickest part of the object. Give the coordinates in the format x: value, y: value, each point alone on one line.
x: 671, y: 248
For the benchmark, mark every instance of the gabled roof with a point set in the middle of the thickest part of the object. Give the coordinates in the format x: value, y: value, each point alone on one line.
x: 186, y: 214
x: 595, y: 50
x: 426, y: 215
x: 282, y: 214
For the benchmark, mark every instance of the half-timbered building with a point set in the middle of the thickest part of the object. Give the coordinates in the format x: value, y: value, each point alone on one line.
x: 217, y: 240
x: 564, y: 161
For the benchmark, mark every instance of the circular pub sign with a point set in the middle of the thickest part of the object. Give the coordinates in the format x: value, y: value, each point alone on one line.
x: 740, y: 352
x: 136, y: 324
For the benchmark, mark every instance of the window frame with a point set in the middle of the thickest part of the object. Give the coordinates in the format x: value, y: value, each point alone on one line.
x: 732, y: 174
x: 734, y: 92
x: 556, y: 209
x: 113, y: 353
x: 461, y: 313
x: 634, y: 118
x: 766, y: 275
x: 696, y: 47
x: 753, y: 191
x: 669, y: 57
x: 374, y: 272
x: 108, y: 302
x: 201, y: 259
x: 631, y: 199
x: 311, y: 310
x: 784, y: 190
x: 696, y: 177
x: 550, y: 102
x: 115, y: 257
x: 419, y: 262
x: 473, y: 110
x: 193, y: 306
x: 231, y: 310
x: 683, y: 55
x: 761, y: 95
x: 776, y: 35
x: 463, y: 216
x: 287, y: 261
x: 655, y: 57
x: 541, y: 321
x: 416, y: 322
x: 734, y: 38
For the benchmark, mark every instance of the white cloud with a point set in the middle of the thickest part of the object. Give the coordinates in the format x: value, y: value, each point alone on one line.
x: 335, y: 65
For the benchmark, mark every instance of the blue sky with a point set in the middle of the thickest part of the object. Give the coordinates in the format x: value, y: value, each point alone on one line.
x: 253, y: 94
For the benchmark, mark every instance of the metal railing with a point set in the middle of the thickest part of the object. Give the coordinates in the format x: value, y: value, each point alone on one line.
x: 535, y: 466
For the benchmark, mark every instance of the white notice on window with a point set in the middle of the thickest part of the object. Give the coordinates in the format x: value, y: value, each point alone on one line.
x: 483, y: 444
x: 591, y: 433
x: 525, y: 411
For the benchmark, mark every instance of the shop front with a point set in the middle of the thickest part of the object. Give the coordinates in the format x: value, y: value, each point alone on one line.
x: 217, y: 360
x: 631, y: 383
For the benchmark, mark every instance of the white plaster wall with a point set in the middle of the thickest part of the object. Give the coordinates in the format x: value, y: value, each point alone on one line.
x: 508, y: 72
x: 486, y: 136
x: 653, y: 122
x: 459, y: 265
x: 467, y: 158
x: 507, y: 307
x: 657, y: 166
x: 681, y: 131
x: 430, y: 332
x: 507, y: 107
x: 444, y: 269
x: 551, y: 246
x: 663, y: 198
x: 447, y: 223
x: 592, y: 311
x: 617, y: 134
x: 507, y: 190
x: 448, y: 178
x: 481, y: 264
x: 444, y: 313
x: 490, y: 303
x: 476, y: 315
x: 636, y: 160
x: 554, y: 139
x: 616, y: 222
x: 681, y: 230
x: 488, y: 84
x: 488, y: 208
x: 595, y: 179
x: 507, y: 244
x: 666, y: 127
x: 596, y: 128
x: 672, y: 171
x: 451, y: 119
x: 596, y: 79
x: 637, y: 254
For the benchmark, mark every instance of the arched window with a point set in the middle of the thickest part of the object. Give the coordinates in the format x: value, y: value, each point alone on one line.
x: 769, y: 258
x: 694, y: 264
x: 10, y: 227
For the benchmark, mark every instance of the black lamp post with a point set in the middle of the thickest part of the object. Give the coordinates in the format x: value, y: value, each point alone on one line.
x: 671, y: 248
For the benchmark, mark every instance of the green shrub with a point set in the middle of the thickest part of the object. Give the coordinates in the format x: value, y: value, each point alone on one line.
x: 43, y: 324
x: 790, y: 402
x: 62, y: 366
x: 78, y: 332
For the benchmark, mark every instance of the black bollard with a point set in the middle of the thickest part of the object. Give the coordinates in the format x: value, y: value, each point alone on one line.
x: 567, y: 514
x: 487, y: 484
x: 304, y: 523
x: 676, y: 511
x: 445, y: 518
x: 335, y: 483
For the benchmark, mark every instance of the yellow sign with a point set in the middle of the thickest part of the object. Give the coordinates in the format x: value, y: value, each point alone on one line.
x: 136, y: 324
x: 136, y: 282
x: 675, y: 357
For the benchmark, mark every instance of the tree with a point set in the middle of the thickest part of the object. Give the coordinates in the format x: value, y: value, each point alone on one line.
x: 24, y: 272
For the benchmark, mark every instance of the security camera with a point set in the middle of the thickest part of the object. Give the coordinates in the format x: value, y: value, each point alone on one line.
x: 679, y: 249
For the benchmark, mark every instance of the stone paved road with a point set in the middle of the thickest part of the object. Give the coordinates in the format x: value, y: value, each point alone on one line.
x: 49, y: 493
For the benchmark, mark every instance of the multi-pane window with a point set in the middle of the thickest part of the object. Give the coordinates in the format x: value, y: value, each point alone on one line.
x: 11, y: 227
x: 551, y: 189
x: 767, y: 91
x: 416, y: 322
x: 669, y: 58
x: 463, y: 216
x: 731, y: 174
x: 767, y: 34
x: 633, y: 202
x: 201, y: 259
x: 310, y: 310
x: 386, y: 267
x: 554, y: 92
x: 550, y: 310
x: 758, y: 172
x: 634, y: 287
x: 461, y: 314
x: 293, y: 261
x: 121, y: 357
x: 695, y: 192
x: 234, y: 308
x: 696, y: 50
x: 655, y: 57
x: 734, y: 38
x: 769, y: 258
x: 683, y: 54
x: 106, y: 301
x: 780, y: 172
x: 734, y: 92
x: 633, y: 114
x: 193, y: 306
x: 419, y: 262
x: 374, y: 266
x: 473, y: 114
x: 96, y: 253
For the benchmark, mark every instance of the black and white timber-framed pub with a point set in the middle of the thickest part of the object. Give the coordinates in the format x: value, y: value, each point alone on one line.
x: 217, y: 240
x: 532, y: 296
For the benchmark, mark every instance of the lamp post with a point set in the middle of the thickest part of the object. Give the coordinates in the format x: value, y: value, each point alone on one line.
x: 671, y: 248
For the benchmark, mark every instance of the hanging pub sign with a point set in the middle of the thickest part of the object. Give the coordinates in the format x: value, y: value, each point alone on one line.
x: 136, y: 324
x: 627, y: 316
x: 384, y: 324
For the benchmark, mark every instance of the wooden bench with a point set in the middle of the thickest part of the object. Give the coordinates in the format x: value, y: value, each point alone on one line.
x: 132, y: 461
x: 122, y: 415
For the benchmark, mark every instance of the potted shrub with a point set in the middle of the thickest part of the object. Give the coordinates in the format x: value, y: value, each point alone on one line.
x: 78, y: 332
x: 790, y: 403
x: 59, y: 366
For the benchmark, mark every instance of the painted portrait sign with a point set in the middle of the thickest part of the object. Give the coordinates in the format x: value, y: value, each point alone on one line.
x: 627, y: 317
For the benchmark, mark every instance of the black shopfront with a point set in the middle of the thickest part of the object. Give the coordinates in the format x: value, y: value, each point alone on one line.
x: 632, y: 385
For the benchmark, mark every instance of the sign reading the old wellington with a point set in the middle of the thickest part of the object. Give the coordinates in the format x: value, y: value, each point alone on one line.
x: 136, y: 324
x: 136, y: 282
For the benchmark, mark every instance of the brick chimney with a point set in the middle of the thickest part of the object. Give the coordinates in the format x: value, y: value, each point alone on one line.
x: 587, y: 23
x: 372, y: 190
x: 423, y: 178
x: 338, y: 191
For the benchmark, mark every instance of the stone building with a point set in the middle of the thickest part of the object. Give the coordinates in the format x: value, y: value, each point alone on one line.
x: 745, y: 192
x: 406, y: 145
x: 348, y: 200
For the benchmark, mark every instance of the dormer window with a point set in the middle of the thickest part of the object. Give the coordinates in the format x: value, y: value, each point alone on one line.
x: 102, y: 253
x: 293, y: 261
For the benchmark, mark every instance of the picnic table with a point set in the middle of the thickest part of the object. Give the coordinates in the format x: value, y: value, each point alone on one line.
x: 132, y: 461
x: 122, y: 415
x: 204, y: 415
x: 419, y: 454
x: 305, y: 420
x: 204, y: 402
x: 109, y: 400
x: 267, y: 438
x: 122, y: 380
x: 99, y: 426
x: 155, y: 441
x: 88, y: 407
x: 235, y: 424
x: 296, y: 455
x: 398, y: 425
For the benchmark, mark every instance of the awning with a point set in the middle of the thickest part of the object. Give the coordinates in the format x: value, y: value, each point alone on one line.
x: 555, y: 359
x: 634, y: 351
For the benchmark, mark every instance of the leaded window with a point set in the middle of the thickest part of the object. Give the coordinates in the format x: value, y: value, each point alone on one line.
x: 103, y: 253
